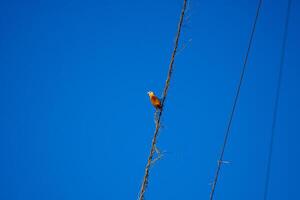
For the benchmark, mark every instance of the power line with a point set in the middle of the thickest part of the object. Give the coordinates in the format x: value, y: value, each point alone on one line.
x: 275, y: 112
x: 220, y: 161
x: 158, y: 120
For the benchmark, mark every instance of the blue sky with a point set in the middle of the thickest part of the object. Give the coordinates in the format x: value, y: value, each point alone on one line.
x: 75, y: 118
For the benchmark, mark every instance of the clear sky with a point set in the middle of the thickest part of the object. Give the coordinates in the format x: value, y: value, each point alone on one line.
x: 75, y: 118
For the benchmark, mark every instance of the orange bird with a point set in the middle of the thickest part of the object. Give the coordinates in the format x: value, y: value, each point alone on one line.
x: 154, y: 100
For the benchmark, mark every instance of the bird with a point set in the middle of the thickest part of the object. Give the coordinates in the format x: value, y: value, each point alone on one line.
x: 154, y: 100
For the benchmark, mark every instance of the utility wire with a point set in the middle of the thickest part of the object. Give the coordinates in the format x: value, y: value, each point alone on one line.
x: 158, y: 120
x: 220, y: 161
x: 275, y: 110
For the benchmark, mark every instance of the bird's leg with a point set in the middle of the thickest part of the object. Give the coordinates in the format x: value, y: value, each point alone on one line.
x: 155, y: 119
x: 155, y: 115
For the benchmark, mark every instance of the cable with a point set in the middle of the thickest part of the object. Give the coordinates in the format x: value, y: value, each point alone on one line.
x: 220, y: 161
x: 275, y: 112
x: 157, y: 122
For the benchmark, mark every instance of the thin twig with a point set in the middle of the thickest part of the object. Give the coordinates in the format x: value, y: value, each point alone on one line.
x: 157, y: 124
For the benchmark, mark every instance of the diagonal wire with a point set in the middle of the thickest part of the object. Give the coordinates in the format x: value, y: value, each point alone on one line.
x: 275, y: 112
x: 158, y: 120
x: 220, y: 161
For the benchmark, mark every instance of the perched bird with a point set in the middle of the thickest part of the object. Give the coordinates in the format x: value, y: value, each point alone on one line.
x: 154, y: 100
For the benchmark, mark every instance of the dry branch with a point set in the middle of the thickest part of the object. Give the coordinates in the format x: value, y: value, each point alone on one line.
x: 158, y: 120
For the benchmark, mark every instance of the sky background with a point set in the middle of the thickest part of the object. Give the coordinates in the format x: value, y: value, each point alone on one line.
x: 75, y: 118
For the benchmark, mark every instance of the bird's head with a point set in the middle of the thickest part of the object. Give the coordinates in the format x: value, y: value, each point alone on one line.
x: 150, y: 93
